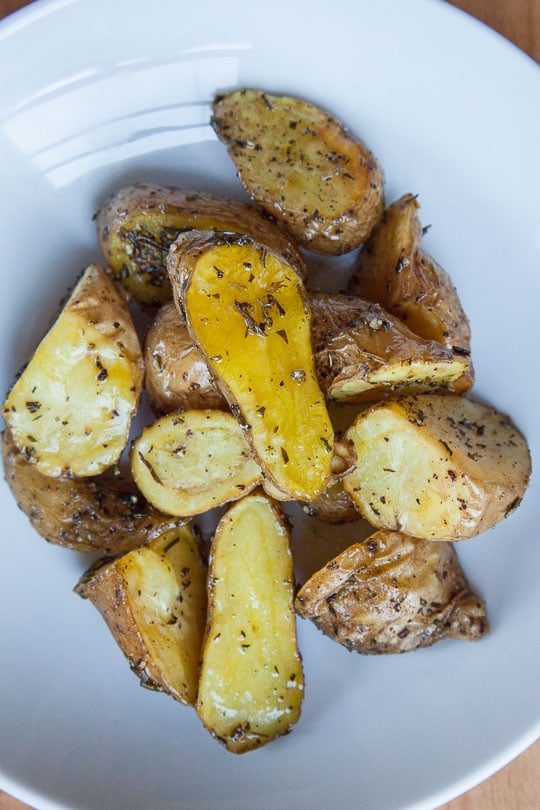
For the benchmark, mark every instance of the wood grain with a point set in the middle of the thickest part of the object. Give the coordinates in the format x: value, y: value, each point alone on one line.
x: 516, y: 786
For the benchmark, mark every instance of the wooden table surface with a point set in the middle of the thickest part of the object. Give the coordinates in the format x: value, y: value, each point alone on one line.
x: 517, y: 786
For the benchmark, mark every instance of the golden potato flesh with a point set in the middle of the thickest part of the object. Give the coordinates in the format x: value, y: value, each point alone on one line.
x: 247, y: 310
x: 137, y: 225
x: 251, y: 684
x: 393, y: 593
x: 176, y: 373
x: 188, y: 462
x: 436, y: 467
x: 303, y: 167
x: 154, y: 602
x: 105, y: 513
x: 70, y: 411
x: 363, y: 353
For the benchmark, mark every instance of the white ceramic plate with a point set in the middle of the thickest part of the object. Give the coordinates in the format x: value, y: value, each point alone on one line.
x: 96, y: 94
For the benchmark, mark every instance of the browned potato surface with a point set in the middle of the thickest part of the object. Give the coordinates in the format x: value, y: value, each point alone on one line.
x: 246, y: 309
x: 362, y: 353
x: 154, y: 602
x: 251, y: 684
x: 393, y: 593
x: 70, y: 410
x: 334, y: 505
x: 437, y: 467
x: 303, y: 167
x: 189, y: 462
x: 176, y: 373
x: 137, y: 225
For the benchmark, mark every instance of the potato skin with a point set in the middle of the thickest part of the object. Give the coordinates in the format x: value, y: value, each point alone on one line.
x: 303, y: 167
x: 392, y: 593
x: 136, y: 226
x: 177, y: 376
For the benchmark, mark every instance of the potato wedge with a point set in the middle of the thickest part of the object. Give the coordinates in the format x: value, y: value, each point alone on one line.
x: 176, y: 373
x: 153, y: 600
x: 137, y: 225
x: 191, y: 461
x: 437, y: 467
x: 251, y: 684
x: 395, y: 272
x: 393, y: 593
x: 70, y: 410
x: 247, y: 310
x: 362, y: 353
x: 105, y: 513
x: 302, y: 166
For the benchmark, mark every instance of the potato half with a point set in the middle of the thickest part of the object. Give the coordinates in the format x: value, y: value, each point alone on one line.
x: 251, y: 684
x: 247, y: 311
x: 154, y: 602
x: 137, y: 225
x: 70, y: 410
x: 362, y: 353
x: 436, y: 467
x: 303, y: 167
x: 393, y: 593
x: 105, y: 513
x: 188, y: 462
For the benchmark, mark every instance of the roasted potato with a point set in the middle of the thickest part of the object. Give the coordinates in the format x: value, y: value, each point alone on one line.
x: 105, y: 513
x: 247, y: 311
x: 302, y: 166
x: 251, y: 684
x: 137, y: 225
x: 436, y: 467
x: 70, y: 410
x: 176, y: 373
x: 154, y: 602
x: 362, y: 353
x: 393, y: 593
x: 395, y: 272
x: 333, y: 506
x: 191, y: 461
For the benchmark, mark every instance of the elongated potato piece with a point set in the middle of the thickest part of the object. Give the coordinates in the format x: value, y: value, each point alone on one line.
x: 437, y: 467
x: 176, y: 373
x: 105, y: 513
x: 251, y: 684
x: 153, y: 600
x: 362, y: 353
x: 247, y: 310
x: 137, y: 225
x: 303, y: 167
x: 393, y: 593
x: 395, y: 272
x: 189, y: 462
x: 70, y: 411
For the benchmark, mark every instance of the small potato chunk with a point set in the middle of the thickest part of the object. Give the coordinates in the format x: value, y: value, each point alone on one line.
x: 362, y: 353
x: 70, y: 411
x: 137, y: 225
x: 105, y: 513
x: 176, y: 373
x: 246, y: 309
x: 154, y: 602
x: 393, y: 593
x: 333, y: 506
x: 251, y: 684
x: 437, y: 467
x: 302, y: 166
x: 393, y: 271
x: 189, y: 462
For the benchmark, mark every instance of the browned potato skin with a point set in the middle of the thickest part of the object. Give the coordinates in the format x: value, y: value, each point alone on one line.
x: 356, y: 341
x: 101, y: 514
x: 395, y: 272
x: 177, y: 376
x: 333, y: 506
x: 137, y: 225
x: 302, y: 166
x: 393, y: 593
